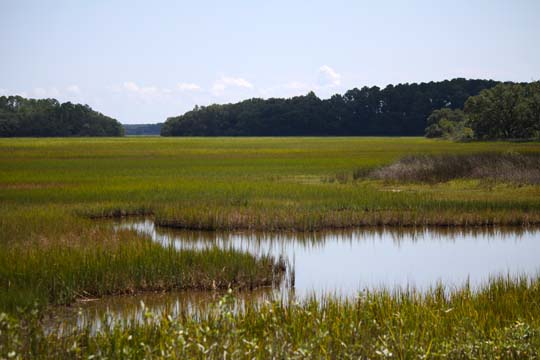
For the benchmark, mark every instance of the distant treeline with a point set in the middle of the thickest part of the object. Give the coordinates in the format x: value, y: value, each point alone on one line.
x: 142, y: 129
x: 400, y: 110
x: 48, y: 117
x: 506, y: 111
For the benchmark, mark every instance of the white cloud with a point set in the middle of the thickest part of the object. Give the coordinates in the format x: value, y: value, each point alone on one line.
x: 142, y: 90
x: 240, y: 82
x: 3, y: 92
x: 226, y: 81
x: 154, y: 92
x: 328, y: 77
x: 188, y: 87
x: 146, y: 93
x: 73, y: 89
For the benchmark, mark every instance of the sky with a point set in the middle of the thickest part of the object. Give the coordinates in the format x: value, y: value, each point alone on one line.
x: 144, y: 61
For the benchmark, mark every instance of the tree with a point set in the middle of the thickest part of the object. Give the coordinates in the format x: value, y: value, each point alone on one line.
x: 507, y: 111
x: 449, y: 124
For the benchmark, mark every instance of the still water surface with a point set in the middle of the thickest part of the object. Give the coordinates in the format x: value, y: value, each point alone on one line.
x: 342, y: 263
x: 348, y: 261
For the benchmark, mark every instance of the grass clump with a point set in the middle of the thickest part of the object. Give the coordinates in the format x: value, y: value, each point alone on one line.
x: 498, y: 321
x: 505, y: 167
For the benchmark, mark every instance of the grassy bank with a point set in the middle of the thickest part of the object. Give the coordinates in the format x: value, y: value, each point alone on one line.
x: 51, y: 264
x: 499, y: 321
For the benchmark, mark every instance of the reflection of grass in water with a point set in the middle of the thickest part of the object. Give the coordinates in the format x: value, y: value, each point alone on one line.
x: 317, y: 239
x: 500, y: 321
x: 127, y: 308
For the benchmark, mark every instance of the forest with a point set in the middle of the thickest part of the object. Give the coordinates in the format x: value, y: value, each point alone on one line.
x: 400, y: 110
x: 21, y: 117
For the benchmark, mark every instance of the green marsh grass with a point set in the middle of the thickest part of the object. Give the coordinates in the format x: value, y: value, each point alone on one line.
x: 499, y: 321
x: 254, y: 183
x: 50, y: 188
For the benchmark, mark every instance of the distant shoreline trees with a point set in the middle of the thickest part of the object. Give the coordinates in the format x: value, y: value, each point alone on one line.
x: 20, y: 117
x: 399, y: 110
x: 506, y: 111
x: 457, y: 109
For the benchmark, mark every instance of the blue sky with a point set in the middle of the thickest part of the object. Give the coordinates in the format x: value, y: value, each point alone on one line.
x: 142, y: 62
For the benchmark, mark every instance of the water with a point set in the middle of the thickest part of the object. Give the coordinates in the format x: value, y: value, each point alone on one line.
x: 340, y: 263
x: 346, y: 262
x: 126, y: 309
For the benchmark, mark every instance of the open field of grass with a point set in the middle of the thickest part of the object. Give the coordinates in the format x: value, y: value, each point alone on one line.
x: 54, y: 248
x: 499, y: 322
